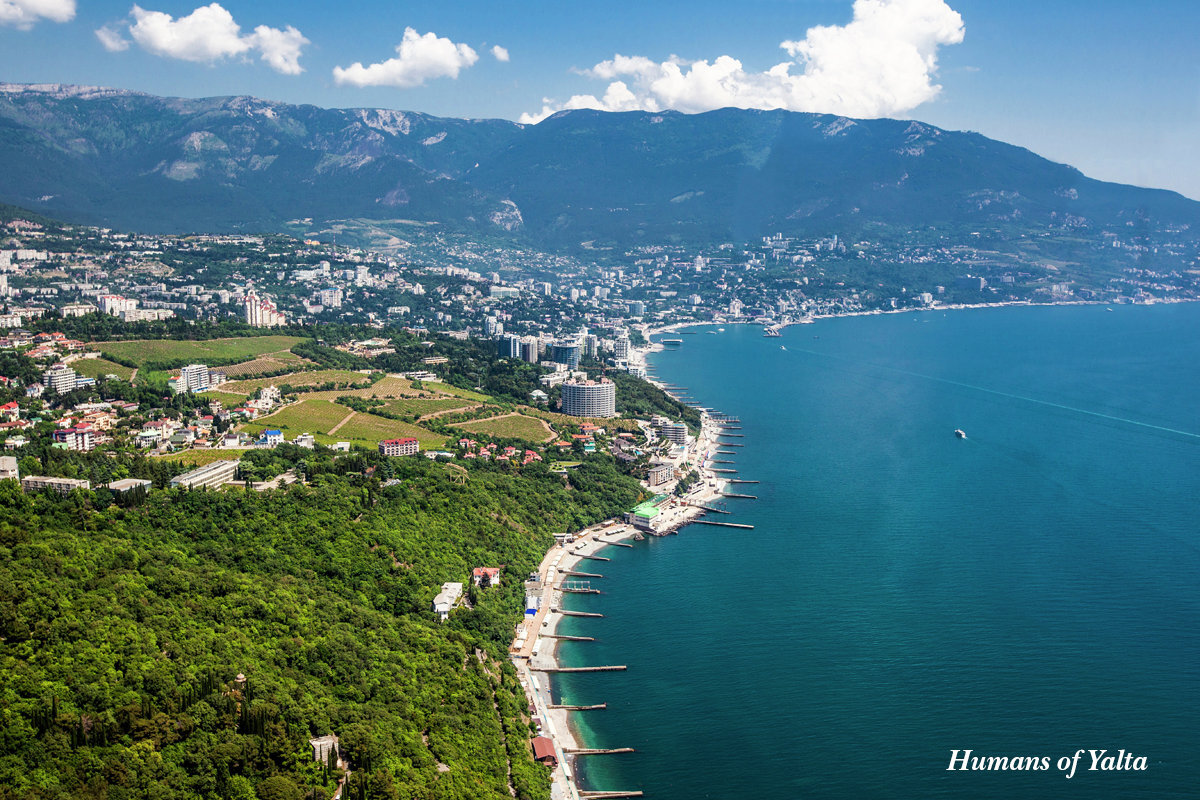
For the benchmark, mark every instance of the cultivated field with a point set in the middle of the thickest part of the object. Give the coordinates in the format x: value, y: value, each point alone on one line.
x: 274, y: 362
x: 388, y: 387
x: 510, y: 426
x: 445, y: 388
x: 314, y: 378
x: 373, y: 430
x: 608, y: 423
x: 426, y: 405
x: 201, y: 457
x: 228, y: 399
x: 309, y: 416
x: 213, y: 351
x: 322, y: 418
x: 96, y: 367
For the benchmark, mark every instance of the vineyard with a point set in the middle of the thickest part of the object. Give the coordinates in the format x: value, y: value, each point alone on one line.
x: 212, y: 352
x: 267, y: 365
x: 313, y: 378
x: 510, y: 426
x: 99, y: 367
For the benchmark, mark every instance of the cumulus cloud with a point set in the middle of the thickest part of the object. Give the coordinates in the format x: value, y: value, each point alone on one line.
x: 881, y: 63
x: 24, y: 13
x: 207, y: 35
x: 419, y: 57
x: 112, y: 39
x: 500, y: 53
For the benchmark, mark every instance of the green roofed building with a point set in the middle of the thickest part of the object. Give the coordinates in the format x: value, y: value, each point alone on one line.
x: 643, y: 516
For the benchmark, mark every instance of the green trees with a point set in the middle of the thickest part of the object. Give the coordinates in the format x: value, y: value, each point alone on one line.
x: 123, y: 633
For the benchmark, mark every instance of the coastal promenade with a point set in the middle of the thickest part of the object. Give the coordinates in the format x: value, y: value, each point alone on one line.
x: 534, y: 649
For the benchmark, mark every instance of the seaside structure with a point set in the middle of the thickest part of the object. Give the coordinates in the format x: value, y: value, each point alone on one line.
x: 589, y: 398
x: 218, y: 473
x: 405, y: 446
x: 543, y: 751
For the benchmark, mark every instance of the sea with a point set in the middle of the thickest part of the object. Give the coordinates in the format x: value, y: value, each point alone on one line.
x: 1031, y: 591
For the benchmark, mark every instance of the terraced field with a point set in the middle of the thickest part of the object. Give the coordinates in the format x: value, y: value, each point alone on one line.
x: 445, y: 388
x: 96, y: 367
x: 510, y: 426
x: 426, y: 405
x: 212, y: 351
x: 322, y: 418
x: 309, y: 416
x: 373, y: 430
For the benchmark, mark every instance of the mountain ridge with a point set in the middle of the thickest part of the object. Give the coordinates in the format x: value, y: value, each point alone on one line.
x: 159, y: 164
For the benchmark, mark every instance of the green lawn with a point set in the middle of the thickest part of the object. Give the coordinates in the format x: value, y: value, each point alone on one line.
x: 203, y: 352
x: 96, y: 367
x: 516, y: 426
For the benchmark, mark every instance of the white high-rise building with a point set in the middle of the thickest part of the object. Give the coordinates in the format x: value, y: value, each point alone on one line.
x: 621, y: 347
x: 589, y: 398
x: 60, y: 378
x: 195, y: 378
x: 261, y: 313
x: 115, y: 304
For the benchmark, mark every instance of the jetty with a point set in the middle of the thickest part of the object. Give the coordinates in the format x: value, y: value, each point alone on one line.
x: 730, y: 427
x: 584, y: 751
x: 567, y: 638
x: 596, y: 558
x: 566, y: 613
x: 724, y: 524
x: 727, y: 472
x: 732, y: 435
x: 578, y: 590
x: 725, y: 452
x: 715, y: 461
x: 609, y: 795
x: 596, y: 707
x: 711, y: 509
x: 606, y: 668
x: 730, y: 444
x: 582, y: 574
x: 741, y: 496
x: 738, y: 480
x: 614, y: 544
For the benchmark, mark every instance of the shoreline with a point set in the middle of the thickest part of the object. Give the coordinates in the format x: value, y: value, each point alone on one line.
x: 533, y: 651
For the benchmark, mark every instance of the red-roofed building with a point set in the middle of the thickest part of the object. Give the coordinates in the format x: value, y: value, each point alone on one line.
x: 543, y: 751
x: 407, y: 446
x: 486, y: 576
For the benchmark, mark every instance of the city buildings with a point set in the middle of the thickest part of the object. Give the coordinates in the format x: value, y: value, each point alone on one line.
x: 194, y: 378
x: 261, y: 313
x: 589, y: 398
x: 36, y: 483
x: 565, y: 352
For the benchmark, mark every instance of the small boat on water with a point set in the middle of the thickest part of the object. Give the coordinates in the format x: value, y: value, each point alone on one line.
x: 960, y: 433
x: 781, y: 347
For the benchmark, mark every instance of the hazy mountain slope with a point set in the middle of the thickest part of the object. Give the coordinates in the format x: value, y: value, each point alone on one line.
x: 167, y: 164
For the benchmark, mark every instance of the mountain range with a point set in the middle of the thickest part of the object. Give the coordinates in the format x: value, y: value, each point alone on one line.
x: 140, y: 162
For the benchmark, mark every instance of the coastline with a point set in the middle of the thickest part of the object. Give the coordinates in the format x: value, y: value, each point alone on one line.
x: 534, y: 650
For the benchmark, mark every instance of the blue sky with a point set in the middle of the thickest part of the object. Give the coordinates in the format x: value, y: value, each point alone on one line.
x: 1110, y: 87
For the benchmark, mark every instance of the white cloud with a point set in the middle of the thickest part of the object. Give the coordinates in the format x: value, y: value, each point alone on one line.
x: 112, y: 39
x: 881, y: 63
x: 418, y: 59
x: 500, y: 53
x: 208, y: 35
x: 24, y: 13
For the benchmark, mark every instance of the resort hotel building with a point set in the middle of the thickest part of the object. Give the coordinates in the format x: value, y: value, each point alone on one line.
x: 589, y: 398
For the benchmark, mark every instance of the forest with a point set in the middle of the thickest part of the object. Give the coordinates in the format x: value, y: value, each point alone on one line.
x: 190, y: 646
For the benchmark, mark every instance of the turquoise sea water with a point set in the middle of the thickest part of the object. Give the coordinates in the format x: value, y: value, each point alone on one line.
x: 1031, y: 590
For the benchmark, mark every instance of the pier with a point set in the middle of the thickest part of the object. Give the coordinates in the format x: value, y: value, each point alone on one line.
x: 725, y: 452
x: 736, y: 480
x: 566, y: 613
x: 710, y: 509
x: 566, y: 638
x: 596, y: 707
x: 607, y: 668
x: 582, y: 751
x: 732, y: 435
x: 730, y: 427
x: 614, y: 544
x: 730, y: 444
x: 580, y: 574
x: 715, y: 461
x: 724, y: 524
x: 596, y: 558
x: 727, y: 472
x: 577, y: 590
x: 609, y: 795
x: 742, y: 496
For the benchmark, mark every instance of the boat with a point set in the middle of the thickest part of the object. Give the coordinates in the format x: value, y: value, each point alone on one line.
x: 960, y: 433
x: 1109, y: 310
x: 781, y: 347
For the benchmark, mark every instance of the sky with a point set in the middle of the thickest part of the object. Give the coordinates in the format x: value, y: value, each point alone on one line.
x: 1109, y: 86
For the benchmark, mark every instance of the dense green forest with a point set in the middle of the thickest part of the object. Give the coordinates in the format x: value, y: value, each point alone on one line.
x: 123, y: 631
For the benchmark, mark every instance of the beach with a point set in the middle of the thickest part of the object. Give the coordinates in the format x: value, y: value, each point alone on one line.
x: 534, y: 649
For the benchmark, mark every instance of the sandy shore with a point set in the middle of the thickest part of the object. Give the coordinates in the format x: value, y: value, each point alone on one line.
x: 533, y: 650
